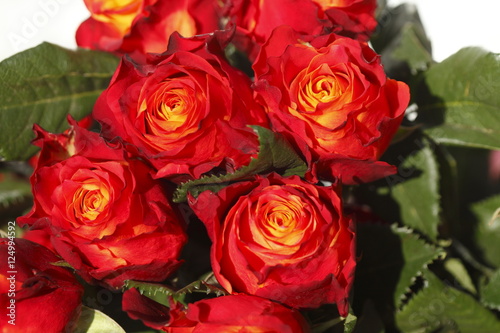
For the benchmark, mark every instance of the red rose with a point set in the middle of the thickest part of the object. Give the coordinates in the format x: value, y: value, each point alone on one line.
x: 186, y: 110
x: 239, y: 313
x: 330, y: 96
x: 35, y: 295
x: 106, y: 216
x: 142, y: 26
x: 256, y: 19
x: 282, y: 239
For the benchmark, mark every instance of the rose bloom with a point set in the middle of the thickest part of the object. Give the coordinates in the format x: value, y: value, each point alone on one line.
x: 238, y: 313
x: 256, y: 19
x: 142, y: 26
x: 187, y: 110
x: 45, y: 297
x: 282, y: 239
x: 331, y: 97
x: 105, y: 214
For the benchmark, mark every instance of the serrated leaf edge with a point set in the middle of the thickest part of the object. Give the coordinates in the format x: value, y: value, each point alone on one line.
x: 440, y: 255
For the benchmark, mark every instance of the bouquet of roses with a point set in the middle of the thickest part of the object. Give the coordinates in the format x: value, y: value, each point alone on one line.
x: 249, y: 166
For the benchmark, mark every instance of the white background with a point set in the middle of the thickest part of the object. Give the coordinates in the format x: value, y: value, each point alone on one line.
x: 450, y: 24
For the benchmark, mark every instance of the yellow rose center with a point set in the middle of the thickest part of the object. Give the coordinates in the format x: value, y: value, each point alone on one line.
x: 171, y: 112
x: 281, y: 221
x: 320, y: 86
x: 90, y: 200
x: 324, y: 88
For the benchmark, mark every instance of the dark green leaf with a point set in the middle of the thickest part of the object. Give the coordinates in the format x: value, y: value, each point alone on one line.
x: 458, y: 99
x: 440, y: 306
x: 449, y: 191
x: 42, y: 85
x: 417, y: 254
x: 390, y: 259
x: 201, y: 287
x: 148, y: 288
x: 275, y: 154
x: 417, y: 193
x: 488, y: 229
x: 155, y: 291
x: 152, y: 289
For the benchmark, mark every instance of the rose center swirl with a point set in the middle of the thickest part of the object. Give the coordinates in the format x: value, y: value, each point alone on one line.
x: 321, y: 86
x: 90, y: 200
x: 279, y: 224
x: 171, y: 111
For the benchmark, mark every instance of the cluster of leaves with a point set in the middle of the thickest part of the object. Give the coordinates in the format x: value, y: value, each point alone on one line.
x: 428, y: 259
x: 427, y: 246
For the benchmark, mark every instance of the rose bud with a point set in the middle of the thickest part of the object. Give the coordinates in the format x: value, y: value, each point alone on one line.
x: 282, y: 239
x: 105, y: 214
x: 330, y: 97
x: 36, y: 295
x: 186, y: 111
x: 141, y: 26
x: 238, y: 313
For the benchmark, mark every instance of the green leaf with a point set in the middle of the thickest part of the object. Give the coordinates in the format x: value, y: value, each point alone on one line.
x: 13, y: 190
x: 490, y: 291
x: 488, y: 229
x: 458, y: 99
x: 94, y: 321
x: 155, y: 291
x: 42, y: 85
x: 413, y: 47
x: 402, y: 42
x: 152, y: 289
x: 390, y: 259
x: 441, y: 307
x: 449, y: 191
x: 417, y: 190
x: 417, y: 254
x: 275, y: 154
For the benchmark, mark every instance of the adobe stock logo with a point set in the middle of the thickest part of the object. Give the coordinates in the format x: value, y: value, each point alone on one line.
x: 32, y: 25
